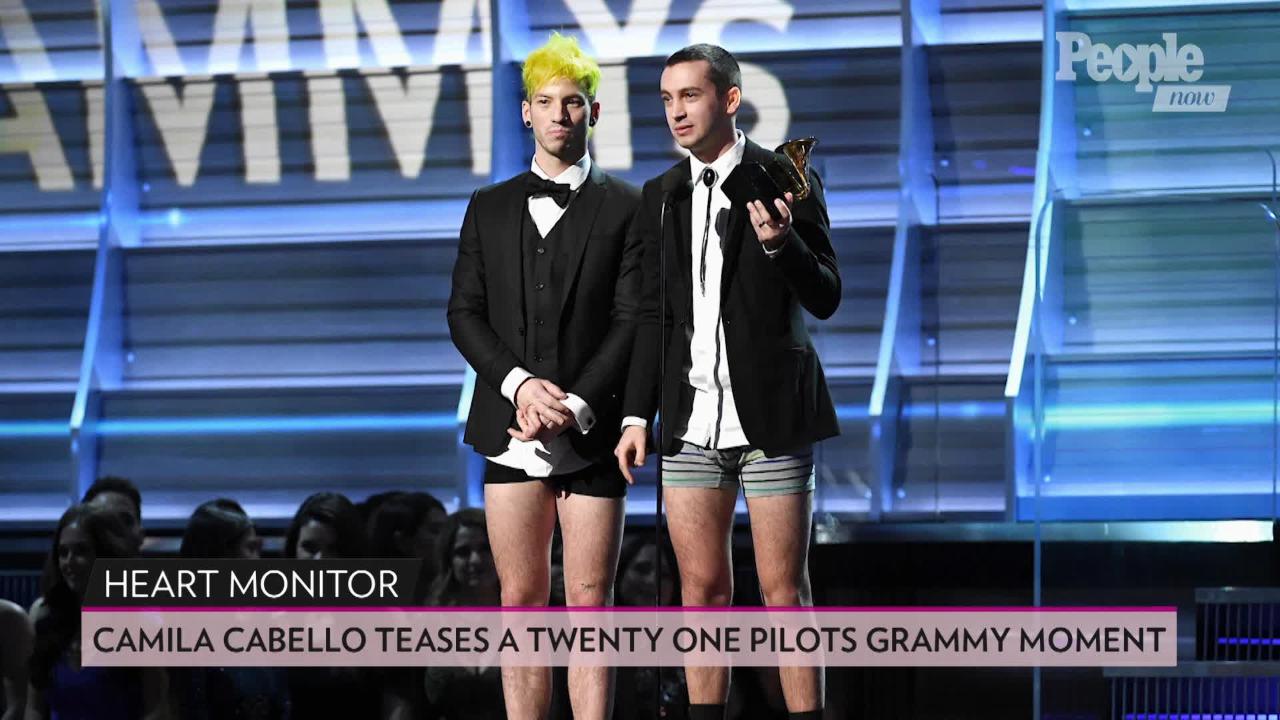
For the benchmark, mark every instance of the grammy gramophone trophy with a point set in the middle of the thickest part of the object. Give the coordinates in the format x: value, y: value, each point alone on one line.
x: 793, y: 177
x: 765, y: 182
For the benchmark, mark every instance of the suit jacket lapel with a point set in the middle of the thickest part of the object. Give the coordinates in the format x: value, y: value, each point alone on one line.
x: 731, y: 245
x: 508, y: 225
x: 739, y: 236
x: 579, y: 218
x: 681, y: 219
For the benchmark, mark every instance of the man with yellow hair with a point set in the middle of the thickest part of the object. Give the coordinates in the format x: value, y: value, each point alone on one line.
x: 545, y: 295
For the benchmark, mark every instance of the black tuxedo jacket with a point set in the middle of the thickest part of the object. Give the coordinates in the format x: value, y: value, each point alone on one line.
x: 598, y: 306
x: 778, y: 384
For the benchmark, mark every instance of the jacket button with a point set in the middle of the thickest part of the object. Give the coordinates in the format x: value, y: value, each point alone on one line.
x: 538, y: 322
x: 537, y: 358
x: 539, y: 286
x: 520, y: 330
x: 542, y: 251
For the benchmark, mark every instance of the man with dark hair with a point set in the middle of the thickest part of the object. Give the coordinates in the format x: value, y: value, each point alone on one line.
x: 744, y: 397
x: 119, y: 495
x: 722, y: 68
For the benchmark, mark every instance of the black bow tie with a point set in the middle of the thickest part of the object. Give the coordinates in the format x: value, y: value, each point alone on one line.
x: 559, y: 192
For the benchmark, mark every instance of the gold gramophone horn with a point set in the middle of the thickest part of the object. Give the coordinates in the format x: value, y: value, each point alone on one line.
x: 793, y: 176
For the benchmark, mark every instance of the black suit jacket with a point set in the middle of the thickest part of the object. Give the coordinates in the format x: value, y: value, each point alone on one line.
x: 599, y: 306
x: 778, y: 384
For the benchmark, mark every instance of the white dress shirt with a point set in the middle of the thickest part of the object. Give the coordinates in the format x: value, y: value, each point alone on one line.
x: 556, y: 457
x: 713, y: 421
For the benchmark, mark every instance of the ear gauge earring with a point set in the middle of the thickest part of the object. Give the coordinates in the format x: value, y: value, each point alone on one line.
x: 528, y: 123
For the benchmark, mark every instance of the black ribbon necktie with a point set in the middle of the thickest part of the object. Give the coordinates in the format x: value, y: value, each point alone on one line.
x: 559, y: 192
x: 708, y: 179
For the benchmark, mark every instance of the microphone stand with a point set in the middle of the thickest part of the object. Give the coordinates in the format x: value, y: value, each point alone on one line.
x: 662, y: 376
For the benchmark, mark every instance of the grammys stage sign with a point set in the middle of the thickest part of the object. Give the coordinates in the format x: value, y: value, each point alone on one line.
x: 327, y: 89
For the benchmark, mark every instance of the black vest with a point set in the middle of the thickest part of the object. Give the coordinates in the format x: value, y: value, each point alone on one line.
x: 544, y: 271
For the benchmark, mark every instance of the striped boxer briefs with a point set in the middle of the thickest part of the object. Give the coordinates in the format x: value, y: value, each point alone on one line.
x: 698, y: 467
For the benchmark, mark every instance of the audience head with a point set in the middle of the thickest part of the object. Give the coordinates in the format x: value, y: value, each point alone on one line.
x: 119, y: 495
x: 466, y: 572
x: 406, y: 526
x: 220, y: 529
x: 369, y: 506
x: 327, y: 525
x: 638, y: 573
x: 83, y: 534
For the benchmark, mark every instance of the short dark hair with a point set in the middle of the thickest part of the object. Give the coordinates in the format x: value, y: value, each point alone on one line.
x: 215, y: 529
x: 369, y: 506
x: 724, y: 72
x: 404, y: 513
x: 336, y: 511
x: 115, y: 484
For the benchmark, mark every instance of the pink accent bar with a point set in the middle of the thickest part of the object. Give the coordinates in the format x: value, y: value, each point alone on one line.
x: 625, y: 609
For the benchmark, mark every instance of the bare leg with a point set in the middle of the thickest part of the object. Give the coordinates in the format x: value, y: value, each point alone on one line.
x: 592, y: 531
x: 521, y: 518
x: 700, y: 521
x: 780, y: 526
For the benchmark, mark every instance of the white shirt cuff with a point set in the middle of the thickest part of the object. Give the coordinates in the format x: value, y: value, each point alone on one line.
x: 512, y: 383
x: 582, y: 415
x: 630, y: 420
x: 776, y: 250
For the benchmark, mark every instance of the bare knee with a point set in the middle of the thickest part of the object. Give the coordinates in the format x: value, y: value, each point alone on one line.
x: 707, y: 590
x: 786, y: 590
x: 526, y: 593
x: 588, y: 593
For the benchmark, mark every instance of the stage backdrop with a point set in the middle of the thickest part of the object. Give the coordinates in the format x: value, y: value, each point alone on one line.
x: 228, y: 228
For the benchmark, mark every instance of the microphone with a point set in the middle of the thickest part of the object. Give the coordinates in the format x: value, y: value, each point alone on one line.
x: 674, y: 186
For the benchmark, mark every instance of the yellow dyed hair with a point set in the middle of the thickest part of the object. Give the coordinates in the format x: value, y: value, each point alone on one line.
x: 559, y: 58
